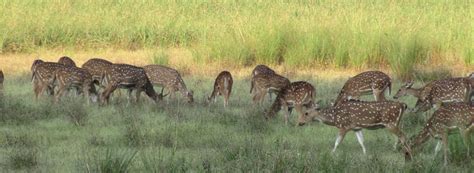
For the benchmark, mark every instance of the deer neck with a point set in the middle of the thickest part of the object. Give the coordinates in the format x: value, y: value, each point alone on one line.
x: 327, y: 116
x: 416, y: 92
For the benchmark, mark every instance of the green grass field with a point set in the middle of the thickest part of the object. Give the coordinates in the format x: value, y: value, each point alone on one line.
x: 398, y: 35
x: 38, y: 136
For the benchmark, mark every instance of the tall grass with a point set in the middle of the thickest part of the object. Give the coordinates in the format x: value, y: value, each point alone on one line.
x: 395, y: 34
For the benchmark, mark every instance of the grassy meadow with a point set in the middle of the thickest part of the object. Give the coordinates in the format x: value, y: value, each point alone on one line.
x: 39, y: 136
x: 321, y: 41
x: 402, y: 36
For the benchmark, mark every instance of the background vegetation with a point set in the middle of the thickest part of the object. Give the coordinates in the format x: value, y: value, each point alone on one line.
x: 38, y: 136
x: 400, y: 35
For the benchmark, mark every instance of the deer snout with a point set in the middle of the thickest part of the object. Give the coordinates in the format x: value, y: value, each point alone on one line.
x: 301, y: 124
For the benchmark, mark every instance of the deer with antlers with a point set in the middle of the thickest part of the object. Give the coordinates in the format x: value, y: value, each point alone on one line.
x: 448, y: 116
x: 355, y: 115
x: 69, y: 77
x: 366, y: 83
x: 222, y: 86
x: 127, y: 77
x: 169, y: 79
x: 296, y: 95
x: 437, y: 92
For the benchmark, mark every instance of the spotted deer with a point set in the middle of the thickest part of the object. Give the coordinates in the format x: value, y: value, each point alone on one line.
x: 354, y: 115
x: 267, y: 83
x: 437, y: 92
x: 169, y: 79
x: 449, y: 116
x: 96, y: 67
x: 67, y: 61
x: 73, y: 77
x: 127, y: 77
x: 295, y: 95
x: 222, y: 86
x: 261, y: 69
x: 43, y: 75
x: 365, y: 83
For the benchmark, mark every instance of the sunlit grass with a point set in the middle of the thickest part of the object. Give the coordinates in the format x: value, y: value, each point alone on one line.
x: 399, y: 35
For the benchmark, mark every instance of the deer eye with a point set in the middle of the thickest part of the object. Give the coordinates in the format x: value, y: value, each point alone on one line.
x: 306, y: 114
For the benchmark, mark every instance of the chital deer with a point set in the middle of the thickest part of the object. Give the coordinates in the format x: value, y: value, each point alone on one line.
x: 448, y: 116
x: 66, y: 61
x: 43, y: 75
x: 169, y: 79
x: 74, y: 77
x: 267, y: 83
x: 366, y: 83
x: 297, y: 94
x: 437, y: 92
x: 96, y: 67
x: 128, y: 77
x: 222, y: 86
x: 261, y: 69
x: 354, y: 115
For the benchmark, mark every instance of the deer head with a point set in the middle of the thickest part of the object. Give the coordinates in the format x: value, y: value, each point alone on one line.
x: 403, y: 90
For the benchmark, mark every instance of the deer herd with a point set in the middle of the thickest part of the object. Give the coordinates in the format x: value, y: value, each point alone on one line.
x: 451, y: 98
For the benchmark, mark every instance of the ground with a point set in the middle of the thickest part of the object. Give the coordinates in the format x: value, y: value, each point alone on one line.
x: 173, y: 136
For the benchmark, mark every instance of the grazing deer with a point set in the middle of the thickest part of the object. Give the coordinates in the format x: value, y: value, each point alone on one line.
x: 297, y: 94
x: 448, y: 116
x: 436, y: 92
x: 74, y: 77
x: 366, y: 83
x: 66, y: 61
x: 96, y: 67
x: 169, y: 79
x: 43, y: 75
x: 261, y: 69
x: 267, y: 83
x: 222, y: 86
x: 357, y: 115
x: 128, y: 77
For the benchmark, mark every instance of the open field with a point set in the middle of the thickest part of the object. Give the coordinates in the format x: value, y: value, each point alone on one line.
x: 320, y: 41
x: 176, y: 137
x: 396, y: 35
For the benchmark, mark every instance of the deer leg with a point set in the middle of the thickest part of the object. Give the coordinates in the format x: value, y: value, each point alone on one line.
x: 360, y: 138
x: 395, y: 130
x: 138, y: 93
x: 226, y: 98
x: 107, y: 91
x: 444, y: 138
x: 287, y: 113
x: 340, y: 137
x: 438, y: 147
x: 299, y: 110
x: 86, y: 91
x: 36, y: 89
x: 467, y: 140
x: 59, y: 94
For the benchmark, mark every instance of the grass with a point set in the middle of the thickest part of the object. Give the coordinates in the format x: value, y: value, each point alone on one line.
x: 38, y: 136
x: 397, y: 35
